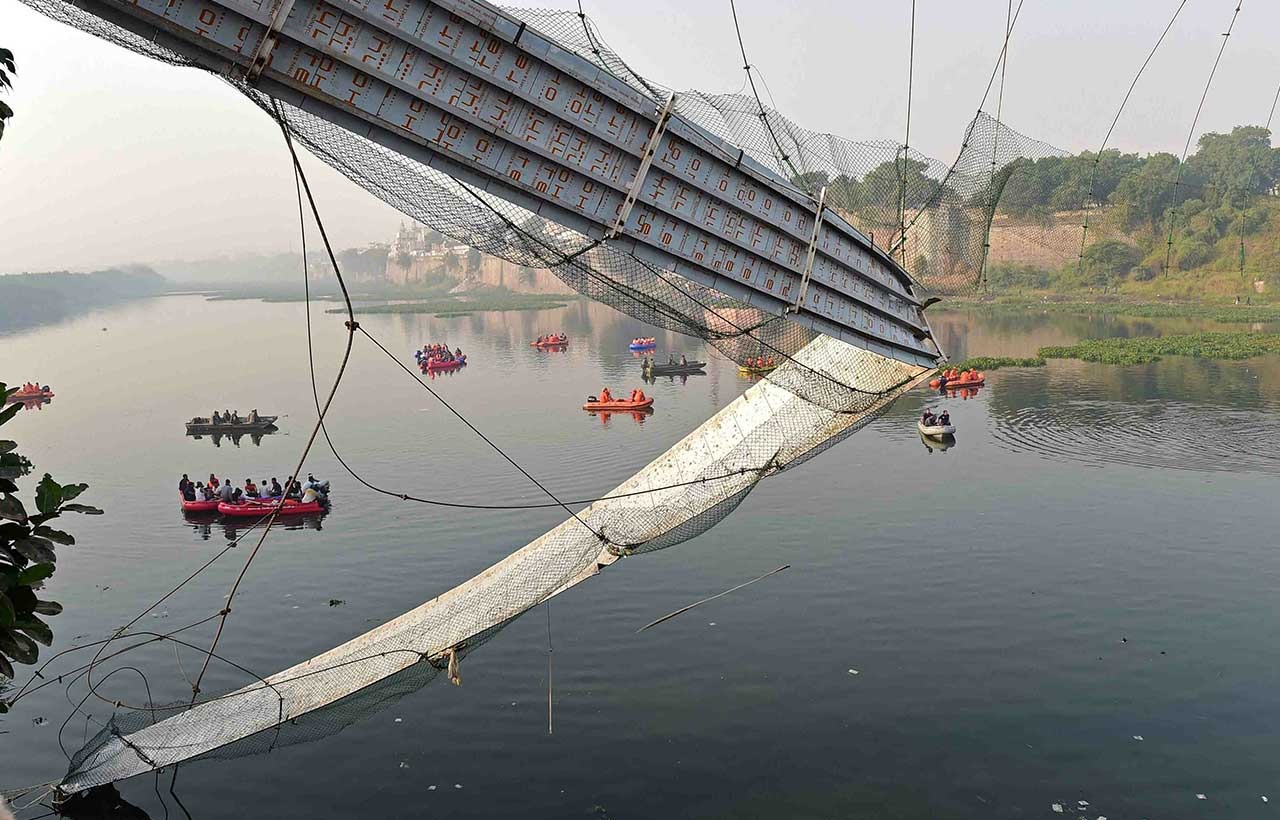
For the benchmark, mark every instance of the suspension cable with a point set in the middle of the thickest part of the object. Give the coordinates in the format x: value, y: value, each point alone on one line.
x: 1093, y: 176
x: 1177, y: 180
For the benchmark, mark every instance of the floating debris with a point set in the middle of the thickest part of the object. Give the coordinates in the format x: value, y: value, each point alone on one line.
x: 404, y: 764
x: 399, y: 720
x: 432, y: 787
x: 1138, y: 738
x: 39, y: 721
x: 457, y: 785
x: 1057, y: 807
x: 336, y: 602
x: 853, y: 672
x: 1199, y: 796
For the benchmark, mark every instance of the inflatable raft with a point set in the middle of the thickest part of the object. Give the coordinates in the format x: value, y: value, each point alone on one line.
x: 936, y: 430
x: 30, y: 395
x: 454, y: 364
x: 752, y: 370
x: 198, y: 506
x: 256, y: 509
x: 544, y: 345
x: 643, y: 344
x: 619, y: 405
x: 958, y: 384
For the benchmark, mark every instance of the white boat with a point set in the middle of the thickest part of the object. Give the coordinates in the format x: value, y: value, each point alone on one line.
x: 936, y: 430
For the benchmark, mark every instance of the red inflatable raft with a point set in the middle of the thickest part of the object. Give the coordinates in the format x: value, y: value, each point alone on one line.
x: 959, y: 384
x: 256, y: 509
x: 619, y: 405
x: 198, y: 506
x: 30, y: 395
x: 453, y: 364
x: 545, y: 345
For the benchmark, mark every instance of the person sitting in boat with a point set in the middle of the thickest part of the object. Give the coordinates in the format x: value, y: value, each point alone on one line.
x: 226, y: 492
x: 184, y: 484
x: 253, y: 416
x: 276, y: 490
x: 215, y: 418
x: 671, y: 359
x: 213, y: 482
x: 250, y: 489
x: 945, y: 419
x: 927, y: 418
x: 605, y: 395
x: 292, y: 490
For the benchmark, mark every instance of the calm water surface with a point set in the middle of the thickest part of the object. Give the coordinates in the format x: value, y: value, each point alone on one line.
x: 978, y: 631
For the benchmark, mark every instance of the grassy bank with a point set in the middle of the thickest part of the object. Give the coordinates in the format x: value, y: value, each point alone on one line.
x: 325, y: 291
x: 452, y: 306
x: 1226, y: 314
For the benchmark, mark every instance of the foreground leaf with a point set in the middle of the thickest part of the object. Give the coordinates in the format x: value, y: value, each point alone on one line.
x: 12, y: 509
x: 37, y: 630
x: 57, y: 536
x: 18, y: 646
x: 36, y: 549
x: 48, y: 495
x: 48, y: 608
x: 34, y: 574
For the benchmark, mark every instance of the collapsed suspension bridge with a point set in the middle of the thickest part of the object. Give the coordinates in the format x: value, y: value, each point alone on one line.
x: 520, y: 133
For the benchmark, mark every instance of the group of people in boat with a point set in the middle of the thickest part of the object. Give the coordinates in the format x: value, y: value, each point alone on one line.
x: 928, y: 419
x: 553, y: 339
x: 437, y: 354
x: 223, y: 490
x: 636, y: 396
x: 644, y: 341
x: 954, y: 376
x: 33, y: 387
x: 760, y: 362
x: 234, y: 417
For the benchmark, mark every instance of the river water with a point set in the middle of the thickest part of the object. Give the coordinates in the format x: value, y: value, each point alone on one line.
x: 985, y: 630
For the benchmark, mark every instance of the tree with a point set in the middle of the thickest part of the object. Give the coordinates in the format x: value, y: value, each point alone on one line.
x: 1111, y: 258
x: 28, y: 552
x: 7, y: 67
x: 1235, y: 166
x: 1146, y: 194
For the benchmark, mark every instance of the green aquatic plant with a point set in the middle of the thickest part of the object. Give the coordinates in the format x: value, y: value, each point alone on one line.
x: 1146, y: 349
x: 985, y: 363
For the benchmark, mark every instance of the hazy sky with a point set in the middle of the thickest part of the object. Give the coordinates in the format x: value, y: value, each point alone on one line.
x: 114, y: 158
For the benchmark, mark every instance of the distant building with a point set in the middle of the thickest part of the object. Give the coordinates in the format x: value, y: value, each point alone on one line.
x: 420, y: 254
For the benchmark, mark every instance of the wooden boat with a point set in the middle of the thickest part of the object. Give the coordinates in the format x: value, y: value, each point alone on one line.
x: 677, y: 369
x: 204, y: 426
x: 937, y: 431
x: 617, y: 405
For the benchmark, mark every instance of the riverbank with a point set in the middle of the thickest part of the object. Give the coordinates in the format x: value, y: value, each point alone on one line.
x: 1220, y: 312
x: 1139, y: 350
x: 451, y: 306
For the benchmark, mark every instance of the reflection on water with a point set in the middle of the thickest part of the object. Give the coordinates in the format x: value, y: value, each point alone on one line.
x: 235, y: 438
x: 205, y: 524
x: 1098, y: 414
x: 938, y: 445
x: 981, y: 596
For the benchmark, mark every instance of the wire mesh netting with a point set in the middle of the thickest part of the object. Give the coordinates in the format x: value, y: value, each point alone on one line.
x: 935, y: 217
